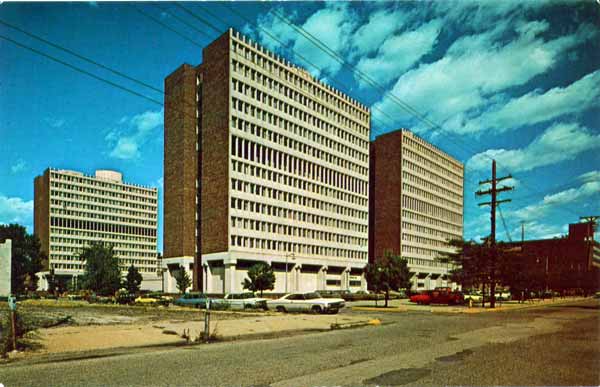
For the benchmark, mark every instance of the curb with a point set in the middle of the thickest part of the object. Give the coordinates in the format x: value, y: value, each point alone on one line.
x: 375, y: 309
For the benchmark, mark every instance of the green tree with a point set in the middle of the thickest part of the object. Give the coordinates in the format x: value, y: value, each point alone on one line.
x: 133, y: 280
x: 389, y: 272
x: 102, y: 274
x: 27, y: 258
x: 183, y: 279
x: 260, y: 277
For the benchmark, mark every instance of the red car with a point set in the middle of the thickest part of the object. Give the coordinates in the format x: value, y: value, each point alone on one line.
x: 438, y: 297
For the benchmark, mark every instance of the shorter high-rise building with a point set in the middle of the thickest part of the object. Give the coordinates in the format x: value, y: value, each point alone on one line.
x: 71, y: 210
x: 415, y: 204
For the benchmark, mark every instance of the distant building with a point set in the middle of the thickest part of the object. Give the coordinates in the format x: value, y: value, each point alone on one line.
x: 568, y: 264
x: 263, y: 163
x: 72, y: 209
x: 416, y: 204
x: 5, y: 268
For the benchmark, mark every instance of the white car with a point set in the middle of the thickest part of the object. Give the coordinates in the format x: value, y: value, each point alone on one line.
x: 243, y: 301
x: 306, y: 302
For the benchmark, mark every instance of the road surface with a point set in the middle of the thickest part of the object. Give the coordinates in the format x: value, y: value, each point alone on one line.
x: 552, y: 345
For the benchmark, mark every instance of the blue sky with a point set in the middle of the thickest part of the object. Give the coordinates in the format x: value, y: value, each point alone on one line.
x: 518, y: 82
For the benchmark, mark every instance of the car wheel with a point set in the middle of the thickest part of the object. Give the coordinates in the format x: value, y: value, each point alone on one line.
x: 248, y: 306
x: 316, y: 309
x: 280, y: 309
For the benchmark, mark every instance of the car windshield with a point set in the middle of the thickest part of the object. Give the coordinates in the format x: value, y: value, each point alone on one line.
x: 312, y: 296
x: 247, y: 295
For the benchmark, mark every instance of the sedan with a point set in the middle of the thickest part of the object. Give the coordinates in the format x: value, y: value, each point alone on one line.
x: 246, y: 300
x: 197, y: 300
x: 306, y: 302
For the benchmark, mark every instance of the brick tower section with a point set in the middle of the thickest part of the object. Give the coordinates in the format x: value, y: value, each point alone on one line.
x: 180, y: 163
x: 385, y: 195
x: 215, y: 85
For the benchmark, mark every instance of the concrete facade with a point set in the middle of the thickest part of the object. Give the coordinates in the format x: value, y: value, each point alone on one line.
x: 5, y: 268
x: 282, y: 175
x: 416, y: 204
x: 72, y: 209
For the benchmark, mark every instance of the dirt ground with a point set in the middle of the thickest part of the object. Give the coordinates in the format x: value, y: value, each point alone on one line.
x: 76, y: 326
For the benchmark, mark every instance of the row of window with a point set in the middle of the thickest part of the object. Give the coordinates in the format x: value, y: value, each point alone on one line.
x: 424, y: 161
x: 265, y: 61
x: 287, y: 213
x: 101, y: 226
x: 124, y: 265
x: 273, y: 158
x: 319, y: 120
x: 303, y: 147
x: 108, y: 204
x: 93, y: 182
x: 432, y: 221
x: 406, y: 249
x: 431, y: 210
x: 246, y: 109
x: 434, y: 232
x: 424, y: 262
x: 426, y: 184
x: 288, y: 197
x: 418, y: 170
x: 67, y: 208
x: 425, y: 148
x: 298, y: 248
x: 415, y: 191
x: 282, y: 229
x: 95, y: 192
x: 281, y: 178
x: 424, y: 240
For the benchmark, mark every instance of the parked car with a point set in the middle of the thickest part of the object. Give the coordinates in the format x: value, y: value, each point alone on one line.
x: 197, y: 300
x: 475, y: 296
x: 246, y: 300
x: 503, y: 295
x: 306, y: 302
x: 154, y: 299
x: 442, y: 296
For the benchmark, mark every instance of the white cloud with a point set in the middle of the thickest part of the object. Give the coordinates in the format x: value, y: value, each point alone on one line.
x: 126, y: 143
x: 380, y: 27
x: 19, y: 166
x: 535, y: 107
x: 332, y: 26
x: 399, y: 53
x: 475, y: 68
x: 589, y: 176
x: 55, y: 123
x: 590, y: 188
x: 558, y: 143
x: 16, y: 210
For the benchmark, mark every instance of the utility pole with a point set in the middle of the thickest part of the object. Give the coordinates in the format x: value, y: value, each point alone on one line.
x: 493, y: 191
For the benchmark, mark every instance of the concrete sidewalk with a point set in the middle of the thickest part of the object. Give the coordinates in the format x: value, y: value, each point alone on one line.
x: 404, y: 305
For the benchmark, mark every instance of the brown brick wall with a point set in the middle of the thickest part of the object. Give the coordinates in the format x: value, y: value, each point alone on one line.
x: 385, y: 204
x: 215, y: 72
x: 180, y: 163
x: 41, y: 212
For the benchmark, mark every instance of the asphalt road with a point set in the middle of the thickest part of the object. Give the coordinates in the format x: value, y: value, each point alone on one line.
x: 553, y: 345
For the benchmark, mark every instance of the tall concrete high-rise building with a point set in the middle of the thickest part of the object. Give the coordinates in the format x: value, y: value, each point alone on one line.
x: 416, y: 204
x: 71, y: 210
x: 263, y: 163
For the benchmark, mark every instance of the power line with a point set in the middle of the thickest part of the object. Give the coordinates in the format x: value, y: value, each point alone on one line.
x: 319, y: 44
x: 300, y: 56
x: 138, y: 9
x: 80, y: 70
x: 62, y: 48
x: 167, y: 11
